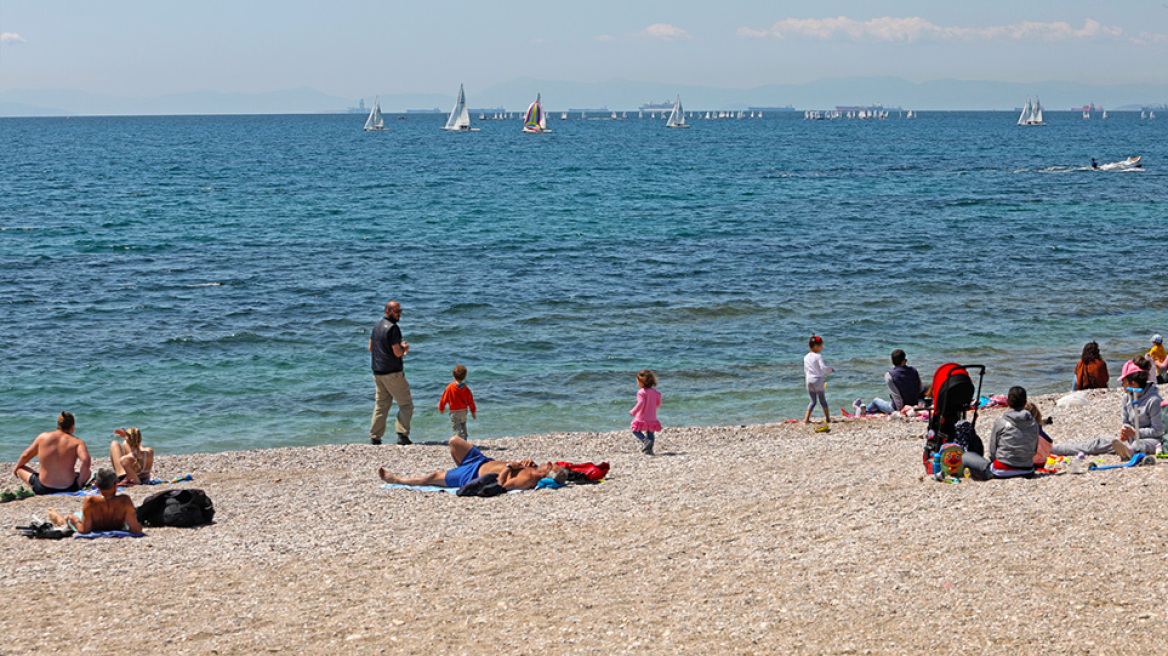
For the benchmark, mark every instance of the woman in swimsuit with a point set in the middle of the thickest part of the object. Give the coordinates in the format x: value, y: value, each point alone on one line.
x: 132, y: 461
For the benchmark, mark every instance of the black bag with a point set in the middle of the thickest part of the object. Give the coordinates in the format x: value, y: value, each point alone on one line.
x: 189, y: 507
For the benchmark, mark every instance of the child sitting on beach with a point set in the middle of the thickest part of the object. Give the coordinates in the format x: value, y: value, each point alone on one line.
x: 132, y: 462
x: 459, y: 398
x: 1012, y: 446
x: 1045, y: 444
x: 644, y: 413
x: 815, y: 371
x: 1159, y: 357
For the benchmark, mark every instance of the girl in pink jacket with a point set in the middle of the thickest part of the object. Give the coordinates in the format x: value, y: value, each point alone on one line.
x: 645, y: 412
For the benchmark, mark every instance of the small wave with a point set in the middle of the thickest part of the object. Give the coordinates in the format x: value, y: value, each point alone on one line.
x: 206, y: 284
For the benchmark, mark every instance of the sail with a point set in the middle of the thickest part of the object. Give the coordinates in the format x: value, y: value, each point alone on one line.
x: 1024, y: 117
x: 1036, y: 116
x: 531, y: 120
x: 676, y: 117
x: 459, y: 116
x: 375, y: 122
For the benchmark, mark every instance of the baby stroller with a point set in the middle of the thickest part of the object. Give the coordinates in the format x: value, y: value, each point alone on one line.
x: 953, y: 395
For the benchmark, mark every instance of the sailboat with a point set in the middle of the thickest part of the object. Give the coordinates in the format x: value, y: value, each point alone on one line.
x: 1104, y: 116
x: 1086, y: 115
x: 1151, y: 114
x: 459, y: 120
x: 1031, y: 114
x: 375, y: 123
x: 677, y: 116
x: 536, y: 121
x: 564, y: 116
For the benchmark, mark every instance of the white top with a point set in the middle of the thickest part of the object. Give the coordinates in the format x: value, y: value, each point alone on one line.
x: 814, y: 369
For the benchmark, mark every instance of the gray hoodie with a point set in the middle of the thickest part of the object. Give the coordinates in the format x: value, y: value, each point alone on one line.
x: 1014, y: 439
x: 1144, y: 414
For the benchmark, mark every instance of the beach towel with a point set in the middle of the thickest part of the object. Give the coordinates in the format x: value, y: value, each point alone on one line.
x: 107, y: 534
x: 429, y: 488
x: 93, y: 491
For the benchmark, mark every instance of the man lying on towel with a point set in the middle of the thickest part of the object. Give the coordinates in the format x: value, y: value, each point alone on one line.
x: 108, y: 511
x: 471, y: 463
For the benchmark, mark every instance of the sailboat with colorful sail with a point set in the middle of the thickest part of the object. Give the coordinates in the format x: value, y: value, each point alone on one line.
x: 459, y: 120
x: 677, y: 116
x: 535, y: 122
x: 375, y: 123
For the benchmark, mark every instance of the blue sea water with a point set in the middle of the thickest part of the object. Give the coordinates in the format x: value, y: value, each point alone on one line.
x: 213, y: 279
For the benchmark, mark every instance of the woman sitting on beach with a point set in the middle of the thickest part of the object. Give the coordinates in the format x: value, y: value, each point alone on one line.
x: 1091, y: 372
x: 132, y: 461
x: 1143, y: 427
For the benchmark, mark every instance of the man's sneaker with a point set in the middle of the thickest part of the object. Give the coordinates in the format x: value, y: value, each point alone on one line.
x: 403, y: 439
x: 647, y: 447
x: 375, y: 441
x: 1121, y: 449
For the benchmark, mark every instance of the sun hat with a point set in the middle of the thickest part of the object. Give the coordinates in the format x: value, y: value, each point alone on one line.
x: 1129, y: 368
x: 1157, y: 338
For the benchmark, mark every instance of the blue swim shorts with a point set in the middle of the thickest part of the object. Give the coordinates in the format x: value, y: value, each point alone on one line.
x: 468, y: 470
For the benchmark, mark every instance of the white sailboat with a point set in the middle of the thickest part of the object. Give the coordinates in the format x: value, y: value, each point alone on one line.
x: 1031, y: 113
x: 564, y: 116
x: 1151, y: 114
x: 677, y: 116
x: 1086, y: 116
x: 535, y: 122
x: 459, y: 120
x: 1104, y: 116
x: 375, y: 123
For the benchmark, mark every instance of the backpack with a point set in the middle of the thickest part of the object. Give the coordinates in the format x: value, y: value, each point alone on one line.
x: 189, y: 507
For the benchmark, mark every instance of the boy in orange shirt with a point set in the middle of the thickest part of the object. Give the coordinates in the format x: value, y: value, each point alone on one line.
x: 459, y: 398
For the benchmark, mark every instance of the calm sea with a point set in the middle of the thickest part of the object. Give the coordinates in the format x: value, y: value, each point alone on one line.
x: 213, y: 280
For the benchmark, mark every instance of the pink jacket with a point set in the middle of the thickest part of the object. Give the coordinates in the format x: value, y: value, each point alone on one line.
x: 645, y: 412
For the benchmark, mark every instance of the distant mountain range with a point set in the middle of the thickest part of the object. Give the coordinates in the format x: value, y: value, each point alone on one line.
x: 614, y: 94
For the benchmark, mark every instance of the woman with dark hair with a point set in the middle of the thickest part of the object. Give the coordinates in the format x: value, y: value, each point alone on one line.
x: 1091, y: 372
x: 1143, y: 427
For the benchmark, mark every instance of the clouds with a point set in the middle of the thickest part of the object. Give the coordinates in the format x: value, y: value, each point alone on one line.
x: 605, y: 38
x: 915, y: 29
x: 664, y: 32
x: 8, y: 38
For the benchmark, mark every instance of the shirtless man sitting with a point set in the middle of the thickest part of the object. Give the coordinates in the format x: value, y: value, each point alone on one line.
x: 109, y: 511
x: 471, y: 463
x: 58, y: 452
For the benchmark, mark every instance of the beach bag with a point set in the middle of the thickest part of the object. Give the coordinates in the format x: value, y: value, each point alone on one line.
x: 189, y: 507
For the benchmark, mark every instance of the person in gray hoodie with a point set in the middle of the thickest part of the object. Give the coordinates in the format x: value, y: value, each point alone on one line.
x: 1012, y: 445
x: 1142, y: 425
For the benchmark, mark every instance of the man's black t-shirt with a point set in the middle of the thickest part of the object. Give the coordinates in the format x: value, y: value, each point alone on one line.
x: 385, y: 335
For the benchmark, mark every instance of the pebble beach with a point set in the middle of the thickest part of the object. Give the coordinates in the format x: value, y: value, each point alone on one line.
x: 737, y: 539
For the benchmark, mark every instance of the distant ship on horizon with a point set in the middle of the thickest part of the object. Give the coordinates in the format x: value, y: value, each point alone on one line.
x: 656, y: 107
x: 867, y: 108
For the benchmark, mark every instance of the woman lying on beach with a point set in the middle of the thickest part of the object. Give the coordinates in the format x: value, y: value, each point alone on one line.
x: 131, y: 460
x: 1143, y: 427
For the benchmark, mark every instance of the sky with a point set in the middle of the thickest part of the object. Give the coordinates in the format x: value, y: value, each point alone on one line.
x: 351, y: 48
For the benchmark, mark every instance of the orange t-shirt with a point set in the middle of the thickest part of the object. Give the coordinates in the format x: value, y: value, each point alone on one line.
x: 458, y: 398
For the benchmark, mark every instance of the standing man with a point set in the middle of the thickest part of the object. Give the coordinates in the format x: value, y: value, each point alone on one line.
x: 388, y: 349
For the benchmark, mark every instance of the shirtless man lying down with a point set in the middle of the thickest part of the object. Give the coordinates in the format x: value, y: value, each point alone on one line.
x: 471, y: 463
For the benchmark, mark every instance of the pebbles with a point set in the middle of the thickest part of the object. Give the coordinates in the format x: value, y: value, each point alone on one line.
x: 755, y: 539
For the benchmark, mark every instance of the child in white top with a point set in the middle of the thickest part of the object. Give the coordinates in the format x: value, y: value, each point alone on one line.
x: 816, y: 371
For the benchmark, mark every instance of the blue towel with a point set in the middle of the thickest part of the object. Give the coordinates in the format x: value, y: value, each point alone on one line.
x: 107, y: 534
x: 92, y: 491
x: 548, y: 483
x: 429, y: 488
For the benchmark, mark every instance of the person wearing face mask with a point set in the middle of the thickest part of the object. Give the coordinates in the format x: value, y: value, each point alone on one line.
x: 1142, y: 429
